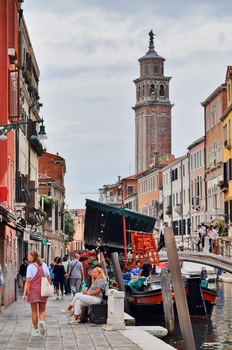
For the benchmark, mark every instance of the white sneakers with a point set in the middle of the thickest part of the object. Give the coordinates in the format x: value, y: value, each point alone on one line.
x: 35, y: 333
x: 66, y: 311
x: 42, y: 327
x: 73, y: 321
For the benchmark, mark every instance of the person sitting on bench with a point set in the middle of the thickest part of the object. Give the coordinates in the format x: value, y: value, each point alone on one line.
x: 93, y: 295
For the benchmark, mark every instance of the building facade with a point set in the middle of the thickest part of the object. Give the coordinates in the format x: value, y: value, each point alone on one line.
x: 197, y: 187
x: 214, y: 107
x: 51, y: 206
x: 226, y: 184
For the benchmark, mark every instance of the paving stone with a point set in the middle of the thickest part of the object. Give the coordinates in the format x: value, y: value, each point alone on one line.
x: 16, y: 328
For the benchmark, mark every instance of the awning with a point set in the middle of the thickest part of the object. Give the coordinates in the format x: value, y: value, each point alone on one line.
x: 103, y: 224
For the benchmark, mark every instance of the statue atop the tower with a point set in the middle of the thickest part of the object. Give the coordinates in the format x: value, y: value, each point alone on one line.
x: 151, y: 35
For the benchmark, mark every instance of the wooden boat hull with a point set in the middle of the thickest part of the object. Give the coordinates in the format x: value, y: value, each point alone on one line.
x: 149, y: 304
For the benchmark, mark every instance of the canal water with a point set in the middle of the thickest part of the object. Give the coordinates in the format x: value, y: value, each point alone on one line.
x: 212, y: 334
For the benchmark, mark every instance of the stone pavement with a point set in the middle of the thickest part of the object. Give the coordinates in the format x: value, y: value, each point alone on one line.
x: 16, y: 328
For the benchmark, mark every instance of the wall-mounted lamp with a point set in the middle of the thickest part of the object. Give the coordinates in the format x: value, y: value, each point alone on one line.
x: 5, y: 128
x: 49, y: 196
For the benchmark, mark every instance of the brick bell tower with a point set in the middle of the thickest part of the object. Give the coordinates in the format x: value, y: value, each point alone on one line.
x: 152, y: 110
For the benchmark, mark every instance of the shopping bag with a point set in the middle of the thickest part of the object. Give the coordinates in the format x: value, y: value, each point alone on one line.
x: 82, y: 286
x: 46, y: 288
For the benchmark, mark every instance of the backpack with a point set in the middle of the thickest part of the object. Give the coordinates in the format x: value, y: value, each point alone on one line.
x: 105, y: 291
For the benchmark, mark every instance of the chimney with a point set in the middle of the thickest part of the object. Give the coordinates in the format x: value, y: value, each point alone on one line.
x: 156, y: 157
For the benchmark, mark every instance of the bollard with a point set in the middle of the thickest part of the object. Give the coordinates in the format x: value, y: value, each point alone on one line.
x: 116, y: 309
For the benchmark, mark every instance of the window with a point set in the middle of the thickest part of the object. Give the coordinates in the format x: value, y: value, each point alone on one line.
x: 213, y: 116
x: 14, y: 95
x: 214, y: 154
x: 183, y: 170
x: 208, y: 157
x: 130, y: 190
x: 152, y: 90
x: 156, y: 69
x: 225, y: 132
x: 219, y: 110
x: 207, y: 121
x: 219, y: 150
x: 174, y: 174
x: 162, y: 68
x: 161, y: 90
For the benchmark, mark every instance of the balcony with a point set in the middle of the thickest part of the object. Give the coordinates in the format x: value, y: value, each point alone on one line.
x: 223, y: 185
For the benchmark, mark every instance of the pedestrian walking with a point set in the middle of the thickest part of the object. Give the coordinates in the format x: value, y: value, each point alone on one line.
x: 23, y: 270
x: 215, y: 239
x: 76, y: 274
x: 161, y: 241
x: 52, y: 276
x: 59, y: 279
x: 201, y: 241
x: 32, y: 291
x: 65, y: 263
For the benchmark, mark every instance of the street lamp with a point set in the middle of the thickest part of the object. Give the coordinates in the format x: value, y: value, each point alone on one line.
x: 6, y: 128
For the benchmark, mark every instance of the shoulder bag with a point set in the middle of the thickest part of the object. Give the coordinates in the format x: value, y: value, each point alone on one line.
x: 46, y: 288
x: 73, y: 268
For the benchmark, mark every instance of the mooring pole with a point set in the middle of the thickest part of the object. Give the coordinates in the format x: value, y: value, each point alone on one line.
x: 178, y: 286
x: 117, y: 272
x: 119, y: 279
x: 124, y: 238
x: 167, y: 301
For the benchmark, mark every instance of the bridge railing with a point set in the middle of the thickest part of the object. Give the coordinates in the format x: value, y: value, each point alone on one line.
x: 189, y: 243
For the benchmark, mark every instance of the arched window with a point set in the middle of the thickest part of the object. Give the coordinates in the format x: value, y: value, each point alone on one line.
x: 138, y: 93
x: 200, y: 187
x: 161, y: 90
x: 152, y: 90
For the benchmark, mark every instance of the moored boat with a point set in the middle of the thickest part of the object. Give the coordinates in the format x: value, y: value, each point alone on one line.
x: 201, y: 298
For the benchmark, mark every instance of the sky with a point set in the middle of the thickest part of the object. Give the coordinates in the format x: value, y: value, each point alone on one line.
x: 88, y: 51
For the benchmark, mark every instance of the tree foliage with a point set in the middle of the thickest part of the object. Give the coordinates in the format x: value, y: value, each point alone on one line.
x: 69, y: 226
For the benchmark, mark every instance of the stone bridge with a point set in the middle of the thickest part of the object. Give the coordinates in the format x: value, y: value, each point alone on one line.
x: 217, y: 261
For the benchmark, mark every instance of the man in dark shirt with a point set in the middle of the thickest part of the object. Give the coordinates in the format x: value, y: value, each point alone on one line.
x: 23, y: 270
x: 147, y: 268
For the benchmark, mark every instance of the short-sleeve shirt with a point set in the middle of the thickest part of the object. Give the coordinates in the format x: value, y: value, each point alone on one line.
x: 146, y: 269
x: 59, y: 271
x: 76, y: 271
x: 214, y: 234
x: 32, y: 270
x: 100, y: 284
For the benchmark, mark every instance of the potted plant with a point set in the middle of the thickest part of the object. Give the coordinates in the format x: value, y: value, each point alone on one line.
x: 168, y: 210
